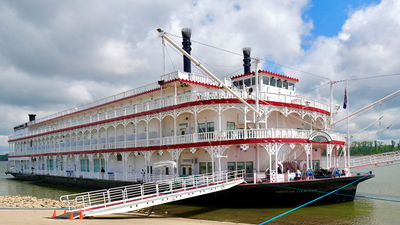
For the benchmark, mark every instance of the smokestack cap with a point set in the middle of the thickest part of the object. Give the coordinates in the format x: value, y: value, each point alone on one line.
x: 32, y: 117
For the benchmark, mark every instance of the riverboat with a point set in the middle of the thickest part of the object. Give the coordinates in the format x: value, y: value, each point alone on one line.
x: 187, y: 124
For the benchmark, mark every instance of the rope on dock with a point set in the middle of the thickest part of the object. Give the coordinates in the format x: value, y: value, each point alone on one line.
x: 298, y: 207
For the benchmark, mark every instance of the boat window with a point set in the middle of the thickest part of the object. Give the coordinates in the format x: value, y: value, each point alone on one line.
x: 96, y: 165
x: 202, y: 127
x: 265, y: 80
x: 285, y: 84
x: 235, y: 83
x: 230, y: 125
x: 210, y: 127
x: 272, y: 81
x: 249, y: 167
x: 209, y: 167
x: 240, y: 84
x: 240, y: 165
x: 247, y: 82
x: 202, y: 167
x: 279, y: 83
x: 231, y: 166
x: 291, y: 86
x: 253, y: 81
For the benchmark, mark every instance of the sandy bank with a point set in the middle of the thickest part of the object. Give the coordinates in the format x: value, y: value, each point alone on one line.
x: 29, y: 202
x: 40, y: 217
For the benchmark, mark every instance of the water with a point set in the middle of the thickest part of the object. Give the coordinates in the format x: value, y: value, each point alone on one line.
x: 385, y: 185
x: 9, y: 186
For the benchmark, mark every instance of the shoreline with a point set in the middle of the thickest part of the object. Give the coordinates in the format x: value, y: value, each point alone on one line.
x: 42, y: 216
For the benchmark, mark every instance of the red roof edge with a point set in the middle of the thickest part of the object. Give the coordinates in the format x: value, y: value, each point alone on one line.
x: 267, y: 72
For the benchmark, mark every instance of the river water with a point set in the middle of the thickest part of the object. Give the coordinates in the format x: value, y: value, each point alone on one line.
x: 385, y: 185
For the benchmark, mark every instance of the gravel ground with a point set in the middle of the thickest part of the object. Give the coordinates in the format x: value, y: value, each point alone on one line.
x: 30, y: 202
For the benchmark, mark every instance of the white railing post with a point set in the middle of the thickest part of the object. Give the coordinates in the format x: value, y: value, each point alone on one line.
x: 157, y: 191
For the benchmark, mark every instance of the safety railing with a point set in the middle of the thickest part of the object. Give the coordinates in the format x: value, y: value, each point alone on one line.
x: 126, y: 194
x: 376, y: 160
x: 179, y: 139
x: 158, y: 103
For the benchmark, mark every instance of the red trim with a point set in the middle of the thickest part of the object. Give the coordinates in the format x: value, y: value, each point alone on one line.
x: 183, y: 105
x: 188, y: 145
x: 266, y: 72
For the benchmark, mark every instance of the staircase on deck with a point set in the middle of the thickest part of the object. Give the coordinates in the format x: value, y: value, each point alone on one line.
x: 139, y: 196
x: 382, y: 159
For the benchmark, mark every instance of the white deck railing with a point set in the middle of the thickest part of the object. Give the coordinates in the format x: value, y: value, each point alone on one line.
x: 159, y: 103
x: 116, y: 199
x: 381, y: 159
x: 179, y: 139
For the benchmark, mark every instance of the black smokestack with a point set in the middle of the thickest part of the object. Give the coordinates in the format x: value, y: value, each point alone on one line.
x: 186, y: 33
x: 246, y: 60
x: 32, y: 117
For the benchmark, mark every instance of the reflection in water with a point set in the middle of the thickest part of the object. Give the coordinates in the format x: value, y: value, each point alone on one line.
x: 362, y: 211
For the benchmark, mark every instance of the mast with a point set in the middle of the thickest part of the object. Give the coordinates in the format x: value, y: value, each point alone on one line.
x: 348, y: 122
x: 331, y: 104
x: 197, y: 63
x: 257, y: 88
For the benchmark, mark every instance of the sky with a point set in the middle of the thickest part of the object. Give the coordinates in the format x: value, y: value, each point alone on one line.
x: 55, y: 55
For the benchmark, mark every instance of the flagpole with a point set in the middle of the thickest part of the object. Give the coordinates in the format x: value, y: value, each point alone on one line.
x: 348, y: 128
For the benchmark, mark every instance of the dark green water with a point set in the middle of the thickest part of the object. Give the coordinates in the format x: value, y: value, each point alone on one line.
x: 385, y: 185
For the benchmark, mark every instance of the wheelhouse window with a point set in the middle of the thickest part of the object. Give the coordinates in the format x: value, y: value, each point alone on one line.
x: 240, y: 84
x: 285, y: 84
x: 247, y: 82
x: 291, y: 86
x: 272, y: 81
x: 253, y: 81
x: 279, y: 83
x: 265, y: 80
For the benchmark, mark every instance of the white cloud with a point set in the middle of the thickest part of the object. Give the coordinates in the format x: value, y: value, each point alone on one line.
x: 367, y: 45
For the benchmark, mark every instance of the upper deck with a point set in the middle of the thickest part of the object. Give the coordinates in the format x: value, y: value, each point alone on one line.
x: 203, y: 88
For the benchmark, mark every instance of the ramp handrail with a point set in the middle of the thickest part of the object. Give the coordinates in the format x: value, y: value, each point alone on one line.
x: 109, y: 197
x: 376, y: 159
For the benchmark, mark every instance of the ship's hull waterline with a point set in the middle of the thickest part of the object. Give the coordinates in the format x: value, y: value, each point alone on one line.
x: 242, y: 196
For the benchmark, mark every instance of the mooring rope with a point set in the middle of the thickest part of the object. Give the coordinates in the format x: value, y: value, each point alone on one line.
x: 298, y: 207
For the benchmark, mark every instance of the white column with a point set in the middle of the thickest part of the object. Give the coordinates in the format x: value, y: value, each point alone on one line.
x: 174, y: 126
x: 219, y: 119
x: 125, y: 156
x: 147, y: 132
x: 245, y: 122
x: 175, y: 94
x: 196, y: 124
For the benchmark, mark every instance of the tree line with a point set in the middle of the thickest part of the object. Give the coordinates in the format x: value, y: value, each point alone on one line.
x: 373, y: 147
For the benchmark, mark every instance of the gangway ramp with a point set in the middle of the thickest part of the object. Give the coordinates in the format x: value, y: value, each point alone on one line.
x: 138, y: 196
x: 382, y: 159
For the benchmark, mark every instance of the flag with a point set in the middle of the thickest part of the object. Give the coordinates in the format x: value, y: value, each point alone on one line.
x: 345, y: 99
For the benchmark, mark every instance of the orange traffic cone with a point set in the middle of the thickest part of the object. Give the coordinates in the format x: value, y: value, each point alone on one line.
x: 65, y: 211
x: 71, y: 216
x: 54, y: 214
x: 81, y: 216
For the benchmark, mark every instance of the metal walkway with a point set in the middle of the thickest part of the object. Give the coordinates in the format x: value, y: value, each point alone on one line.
x: 383, y: 159
x: 138, y: 196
